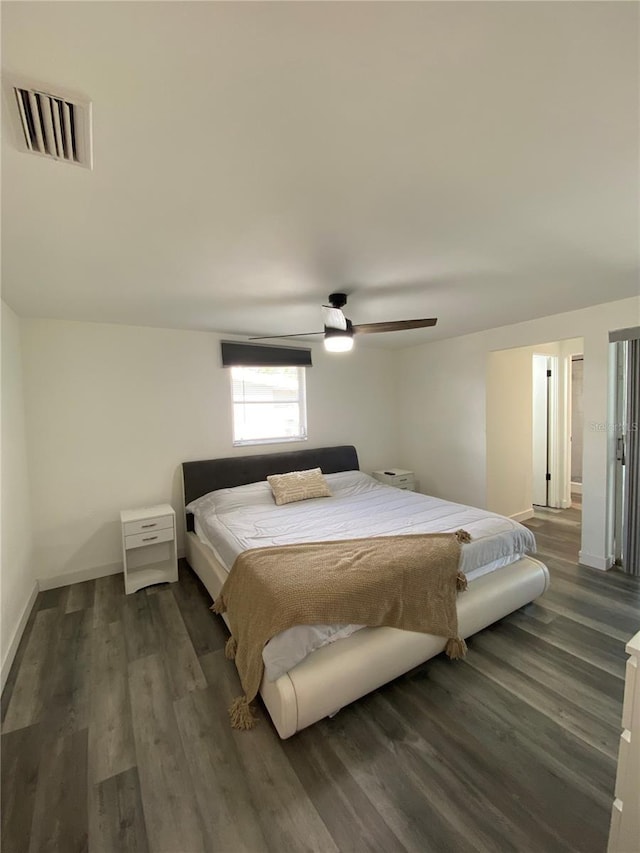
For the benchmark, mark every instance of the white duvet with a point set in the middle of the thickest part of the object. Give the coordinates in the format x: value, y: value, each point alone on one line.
x: 234, y: 520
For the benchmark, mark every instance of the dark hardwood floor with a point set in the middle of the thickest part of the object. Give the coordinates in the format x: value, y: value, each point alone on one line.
x: 115, y: 734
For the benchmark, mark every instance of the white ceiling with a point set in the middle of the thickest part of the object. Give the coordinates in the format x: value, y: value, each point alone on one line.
x: 472, y: 161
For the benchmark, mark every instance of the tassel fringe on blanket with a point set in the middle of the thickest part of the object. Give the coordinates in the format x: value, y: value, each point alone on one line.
x: 456, y: 648
x: 241, y: 715
x: 231, y: 648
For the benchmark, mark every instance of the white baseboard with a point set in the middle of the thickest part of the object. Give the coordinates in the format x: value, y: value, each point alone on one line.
x: 576, y: 487
x: 524, y: 515
x: 12, y: 648
x: 85, y: 575
x: 603, y: 564
x: 79, y: 576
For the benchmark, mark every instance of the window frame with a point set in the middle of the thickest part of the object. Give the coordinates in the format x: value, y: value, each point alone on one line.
x: 301, y: 402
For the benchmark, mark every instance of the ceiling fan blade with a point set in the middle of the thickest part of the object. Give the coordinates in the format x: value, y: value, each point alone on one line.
x: 298, y: 335
x: 333, y: 318
x: 393, y: 326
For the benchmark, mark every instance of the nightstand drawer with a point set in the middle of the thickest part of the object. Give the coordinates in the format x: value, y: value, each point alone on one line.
x: 403, y: 481
x: 149, y: 537
x: 146, y: 524
x: 623, y: 787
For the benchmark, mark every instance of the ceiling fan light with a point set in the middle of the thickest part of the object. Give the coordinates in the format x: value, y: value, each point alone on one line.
x: 338, y: 341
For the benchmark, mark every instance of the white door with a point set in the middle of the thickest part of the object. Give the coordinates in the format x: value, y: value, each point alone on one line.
x: 541, y: 368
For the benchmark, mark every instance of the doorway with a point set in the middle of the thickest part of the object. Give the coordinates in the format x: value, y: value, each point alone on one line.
x: 528, y: 428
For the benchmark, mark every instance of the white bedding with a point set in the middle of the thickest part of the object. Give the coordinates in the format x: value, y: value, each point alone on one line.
x: 231, y: 521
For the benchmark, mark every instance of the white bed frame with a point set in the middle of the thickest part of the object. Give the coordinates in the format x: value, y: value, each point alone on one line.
x: 337, y: 674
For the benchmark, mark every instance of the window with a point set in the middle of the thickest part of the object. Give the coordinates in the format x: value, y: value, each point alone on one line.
x: 269, y: 404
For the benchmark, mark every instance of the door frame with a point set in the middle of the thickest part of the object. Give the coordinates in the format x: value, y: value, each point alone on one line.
x: 554, y: 494
x: 567, y: 490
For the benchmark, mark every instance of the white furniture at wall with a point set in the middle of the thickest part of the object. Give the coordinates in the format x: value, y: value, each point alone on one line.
x: 624, y: 835
x: 149, y: 546
x: 397, y: 477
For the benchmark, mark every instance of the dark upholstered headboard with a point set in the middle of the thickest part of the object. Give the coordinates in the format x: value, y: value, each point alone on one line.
x: 202, y: 477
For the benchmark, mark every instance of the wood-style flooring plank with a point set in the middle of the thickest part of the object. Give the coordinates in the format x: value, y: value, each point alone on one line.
x: 67, y: 702
x: 534, y: 610
x: 29, y: 696
x: 355, y: 742
x: 20, y: 766
x: 111, y: 743
x: 207, y: 633
x: 60, y: 813
x: 566, y: 674
x: 288, y: 818
x: 80, y: 596
x: 581, y: 641
x: 623, y: 611
x: 56, y: 597
x: 17, y: 663
x: 620, y: 628
x: 168, y: 796
x: 347, y: 812
x: 508, y: 723
x: 601, y: 582
x: 446, y: 779
x: 116, y: 816
x: 139, y: 629
x: 178, y: 653
x: 108, y: 600
x: 573, y: 717
x: 228, y: 813
x: 505, y: 768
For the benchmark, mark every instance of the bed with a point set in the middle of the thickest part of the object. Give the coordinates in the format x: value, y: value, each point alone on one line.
x: 346, y: 662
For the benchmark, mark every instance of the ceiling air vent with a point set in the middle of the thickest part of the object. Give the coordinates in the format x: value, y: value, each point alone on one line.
x: 56, y: 125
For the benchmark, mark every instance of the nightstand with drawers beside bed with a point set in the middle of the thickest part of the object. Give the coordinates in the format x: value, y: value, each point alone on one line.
x: 149, y: 546
x: 397, y: 477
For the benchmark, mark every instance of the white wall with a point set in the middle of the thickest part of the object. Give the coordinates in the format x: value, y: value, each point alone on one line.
x: 442, y: 431
x: 509, y: 431
x: 17, y: 578
x: 112, y: 411
x: 509, y: 418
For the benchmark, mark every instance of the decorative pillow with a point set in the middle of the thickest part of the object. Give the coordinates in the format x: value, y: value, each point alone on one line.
x: 298, y: 486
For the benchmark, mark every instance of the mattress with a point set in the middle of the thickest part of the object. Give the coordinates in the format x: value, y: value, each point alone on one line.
x: 230, y: 521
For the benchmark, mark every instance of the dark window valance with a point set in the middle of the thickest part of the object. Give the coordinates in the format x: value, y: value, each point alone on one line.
x: 241, y: 354
x: 631, y: 334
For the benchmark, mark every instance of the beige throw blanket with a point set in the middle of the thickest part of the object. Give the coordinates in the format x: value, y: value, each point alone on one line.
x: 407, y: 582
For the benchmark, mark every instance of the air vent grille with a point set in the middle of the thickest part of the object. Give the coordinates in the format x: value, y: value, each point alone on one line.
x: 53, y: 125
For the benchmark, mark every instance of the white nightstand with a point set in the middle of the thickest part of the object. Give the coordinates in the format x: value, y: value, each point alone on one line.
x: 397, y: 477
x: 149, y: 546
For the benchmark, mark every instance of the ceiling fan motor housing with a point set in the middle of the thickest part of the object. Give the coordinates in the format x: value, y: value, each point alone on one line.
x: 337, y: 300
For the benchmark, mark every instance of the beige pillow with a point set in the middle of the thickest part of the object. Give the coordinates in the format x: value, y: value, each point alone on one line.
x: 298, y: 486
